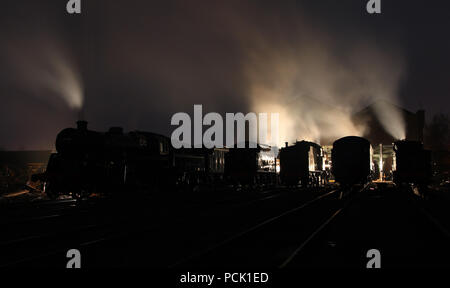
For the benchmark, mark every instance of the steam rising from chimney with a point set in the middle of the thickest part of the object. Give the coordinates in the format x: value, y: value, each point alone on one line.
x: 66, y: 81
x: 391, y: 119
x: 45, y: 70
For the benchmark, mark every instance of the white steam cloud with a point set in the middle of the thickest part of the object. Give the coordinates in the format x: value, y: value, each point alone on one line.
x: 317, y: 83
x: 45, y: 70
x: 391, y: 120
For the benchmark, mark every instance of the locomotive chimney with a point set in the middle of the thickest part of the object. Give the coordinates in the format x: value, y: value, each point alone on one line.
x: 82, y: 125
x: 286, y: 144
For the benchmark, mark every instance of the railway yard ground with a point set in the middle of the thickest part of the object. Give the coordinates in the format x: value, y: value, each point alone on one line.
x: 278, y: 227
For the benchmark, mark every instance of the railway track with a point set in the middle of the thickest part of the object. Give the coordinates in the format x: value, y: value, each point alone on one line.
x: 323, y: 231
x: 385, y: 219
x: 46, y: 210
x: 242, y: 248
x: 427, y: 212
x: 90, y: 236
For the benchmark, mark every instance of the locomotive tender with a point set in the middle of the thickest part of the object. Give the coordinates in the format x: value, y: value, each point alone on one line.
x: 413, y: 163
x: 302, y: 163
x: 251, y: 166
x: 351, y: 160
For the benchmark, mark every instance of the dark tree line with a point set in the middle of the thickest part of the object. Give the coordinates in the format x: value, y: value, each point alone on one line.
x: 437, y: 138
x: 437, y: 133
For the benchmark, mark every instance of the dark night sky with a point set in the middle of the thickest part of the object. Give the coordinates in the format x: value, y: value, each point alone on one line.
x: 138, y: 62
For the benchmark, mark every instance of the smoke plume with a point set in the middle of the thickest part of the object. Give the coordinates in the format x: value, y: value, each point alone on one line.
x: 317, y: 82
x: 45, y: 70
x: 313, y: 63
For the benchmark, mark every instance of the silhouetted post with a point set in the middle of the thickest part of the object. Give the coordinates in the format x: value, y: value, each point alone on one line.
x: 381, y: 162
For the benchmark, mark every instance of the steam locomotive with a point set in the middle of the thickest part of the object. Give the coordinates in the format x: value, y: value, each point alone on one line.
x: 413, y: 163
x: 302, y: 163
x: 251, y: 166
x: 351, y: 160
x: 88, y: 162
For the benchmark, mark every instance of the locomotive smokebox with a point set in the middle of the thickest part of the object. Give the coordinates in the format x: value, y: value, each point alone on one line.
x: 82, y: 125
